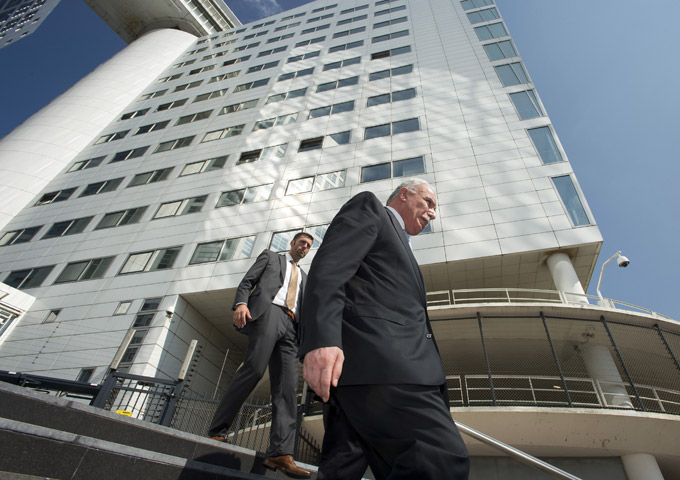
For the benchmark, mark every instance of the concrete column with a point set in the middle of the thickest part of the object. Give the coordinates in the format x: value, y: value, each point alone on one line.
x: 601, y: 366
x: 41, y: 147
x: 565, y: 278
x: 641, y: 466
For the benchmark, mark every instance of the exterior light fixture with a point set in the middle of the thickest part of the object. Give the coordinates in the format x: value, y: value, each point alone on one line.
x: 622, y: 261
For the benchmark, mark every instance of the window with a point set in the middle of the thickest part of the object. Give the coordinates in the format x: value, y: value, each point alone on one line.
x: 297, y: 15
x: 390, y: 72
x: 184, y: 64
x: 233, y: 61
x: 344, y: 82
x: 346, y: 33
x: 355, y: 9
x: 194, y: 117
x: 51, y: 317
x: 224, y: 133
x: 310, y: 144
x: 187, y: 86
x: 89, y: 163
x: 280, y: 241
x: 128, y: 154
x: 399, y: 168
x: 85, y: 270
x: 122, y: 217
x: 315, y: 29
x: 136, y: 113
x: 391, y: 97
x: 571, y: 200
x: 389, y: 10
x: 249, y: 85
x: 150, y: 177
x: 209, y: 165
x: 281, y: 37
x: 150, y: 261
x: 346, y: 46
x: 391, y: 53
x: 112, y: 137
x: 245, y: 195
x: 327, y: 7
x: 389, y: 36
x: 393, y: 128
x: 276, y: 151
x: 526, y: 104
x: 224, y: 76
x: 512, y: 74
x: 101, y: 187
x: 342, y: 63
x: 384, y: 2
x: 310, y: 42
x: 174, y: 144
x: 223, y: 250
x: 169, y: 105
x: 29, y: 278
x: 263, y: 66
x: 483, y: 15
x: 387, y: 23
x: 470, y: 4
x: 322, y: 17
x: 284, y: 27
x: 169, y: 79
x: 152, y: 95
x: 264, y: 53
x: 275, y: 121
x: 19, y: 236
x: 237, y: 107
x: 68, y: 227
x: 253, y: 35
x: 85, y: 375
x: 324, y: 181
x: 332, y: 109
x: 181, y: 207
x: 279, y: 97
x: 152, y: 127
x: 123, y: 308
x: 246, y: 47
x: 211, y: 95
x: 493, y: 30
x: 58, y: 196
x: 298, y: 58
x: 299, y: 73
x: 500, y: 50
x: 545, y: 144
x: 351, y: 20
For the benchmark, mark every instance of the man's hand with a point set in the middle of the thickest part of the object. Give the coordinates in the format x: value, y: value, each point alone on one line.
x: 241, y: 314
x: 322, y: 369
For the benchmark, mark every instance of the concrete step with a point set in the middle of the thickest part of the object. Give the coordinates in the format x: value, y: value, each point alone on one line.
x: 62, y: 438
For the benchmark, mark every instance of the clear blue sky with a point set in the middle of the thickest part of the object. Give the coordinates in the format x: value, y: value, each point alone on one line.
x: 607, y: 72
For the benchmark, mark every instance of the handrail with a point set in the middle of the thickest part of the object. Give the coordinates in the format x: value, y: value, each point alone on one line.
x: 515, y: 453
x: 445, y: 298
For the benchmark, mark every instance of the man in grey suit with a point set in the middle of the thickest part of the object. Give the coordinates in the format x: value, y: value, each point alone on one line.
x: 268, y: 302
x: 368, y: 346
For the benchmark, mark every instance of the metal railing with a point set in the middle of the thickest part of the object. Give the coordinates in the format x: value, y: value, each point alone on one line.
x: 459, y: 297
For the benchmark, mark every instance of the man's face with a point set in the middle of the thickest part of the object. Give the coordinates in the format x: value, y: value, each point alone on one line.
x: 418, y: 208
x: 300, y: 247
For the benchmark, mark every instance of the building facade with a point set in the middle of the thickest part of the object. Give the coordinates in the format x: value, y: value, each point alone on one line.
x: 190, y: 155
x: 19, y: 18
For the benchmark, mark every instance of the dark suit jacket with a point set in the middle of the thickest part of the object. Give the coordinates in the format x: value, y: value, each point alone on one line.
x: 366, y: 295
x: 261, y: 283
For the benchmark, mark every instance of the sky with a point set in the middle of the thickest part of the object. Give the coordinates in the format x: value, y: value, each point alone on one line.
x: 606, y: 71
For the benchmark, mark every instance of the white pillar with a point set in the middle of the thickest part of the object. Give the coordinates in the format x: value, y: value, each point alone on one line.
x: 601, y: 366
x: 641, y: 466
x: 41, y: 147
x: 565, y: 278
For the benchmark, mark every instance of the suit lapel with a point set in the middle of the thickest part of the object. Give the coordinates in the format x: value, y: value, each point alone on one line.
x: 404, y: 242
x: 282, y: 267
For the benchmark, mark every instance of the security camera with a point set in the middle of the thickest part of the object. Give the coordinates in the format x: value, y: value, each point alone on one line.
x: 169, y: 311
x: 622, y: 261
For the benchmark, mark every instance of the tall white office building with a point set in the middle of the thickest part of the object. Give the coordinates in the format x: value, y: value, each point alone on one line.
x: 139, y: 198
x: 19, y: 18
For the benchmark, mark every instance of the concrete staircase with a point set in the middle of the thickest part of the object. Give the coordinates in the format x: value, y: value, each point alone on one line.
x: 47, y: 437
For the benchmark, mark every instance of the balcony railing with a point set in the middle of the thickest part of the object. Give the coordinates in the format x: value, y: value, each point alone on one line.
x: 460, y: 297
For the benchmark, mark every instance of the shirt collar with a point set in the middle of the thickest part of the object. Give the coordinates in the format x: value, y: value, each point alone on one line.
x: 289, y: 258
x: 399, y: 219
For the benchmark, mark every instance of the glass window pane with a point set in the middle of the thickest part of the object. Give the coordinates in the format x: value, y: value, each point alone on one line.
x: 497, y: 30
x: 257, y: 194
x: 110, y: 220
x: 408, y: 167
x: 402, y: 70
x: 275, y: 151
x: 300, y: 185
x: 340, y: 138
x: 375, y: 172
x: 325, y: 87
x: 317, y: 232
x: 526, y: 104
x: 545, y: 145
x: 378, y: 75
x: 494, y: 52
x: 510, y: 75
x: 281, y: 240
x: 507, y: 48
x: 403, y: 95
x: 297, y: 93
x: 377, y: 131
x: 572, y: 201
x: 136, y: 262
x: 71, y: 272
x: 320, y: 112
x: 207, y: 252
x: 404, y: 126
x: 231, y: 198
x: 168, y: 209
x: 237, y: 248
x: 343, y: 107
x: 37, y: 276
x: 378, y: 100
x: 329, y: 181
x: 164, y: 259
x: 97, y: 268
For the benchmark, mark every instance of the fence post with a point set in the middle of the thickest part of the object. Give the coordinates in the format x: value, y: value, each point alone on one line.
x: 105, y: 392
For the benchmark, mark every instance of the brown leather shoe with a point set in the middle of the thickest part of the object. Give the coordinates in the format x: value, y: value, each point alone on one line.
x: 286, y: 464
x: 219, y: 438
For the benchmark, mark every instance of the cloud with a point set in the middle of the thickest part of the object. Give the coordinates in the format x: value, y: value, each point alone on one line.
x: 267, y: 7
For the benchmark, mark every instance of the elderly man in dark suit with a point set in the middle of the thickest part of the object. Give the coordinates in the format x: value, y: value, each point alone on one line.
x: 268, y: 301
x: 368, y: 346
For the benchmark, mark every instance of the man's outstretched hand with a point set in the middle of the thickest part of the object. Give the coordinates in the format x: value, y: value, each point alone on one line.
x: 322, y: 369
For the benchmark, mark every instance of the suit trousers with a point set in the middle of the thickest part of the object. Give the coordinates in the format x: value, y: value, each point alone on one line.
x: 403, y: 431
x: 272, y: 340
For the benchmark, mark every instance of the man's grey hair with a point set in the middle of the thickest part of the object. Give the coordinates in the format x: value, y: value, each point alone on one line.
x: 411, y: 184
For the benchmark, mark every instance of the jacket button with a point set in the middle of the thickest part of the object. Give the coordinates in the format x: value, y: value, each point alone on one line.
x: 429, y: 335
